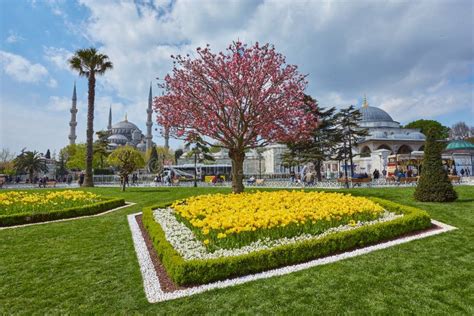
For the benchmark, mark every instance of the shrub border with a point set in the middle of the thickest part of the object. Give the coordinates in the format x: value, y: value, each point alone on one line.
x: 155, y: 293
x: 202, y: 271
x: 78, y: 211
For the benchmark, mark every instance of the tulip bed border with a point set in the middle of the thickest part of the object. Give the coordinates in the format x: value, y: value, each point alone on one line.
x: 78, y: 211
x: 202, y: 271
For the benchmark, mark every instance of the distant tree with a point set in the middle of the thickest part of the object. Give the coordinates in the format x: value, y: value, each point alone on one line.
x: 440, y: 131
x: 89, y: 63
x: 243, y: 98
x: 61, y: 169
x: 434, y: 184
x: 323, y: 141
x: 348, y: 120
x: 126, y: 159
x: 75, y: 157
x: 6, y: 161
x: 30, y: 162
x: 200, y: 152
x: 177, y: 154
x: 291, y: 157
x: 100, y: 147
x: 47, y: 155
x: 460, y: 130
x: 166, y: 155
x: 154, y: 165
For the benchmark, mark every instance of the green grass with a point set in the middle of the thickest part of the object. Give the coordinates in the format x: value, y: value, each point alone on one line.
x: 89, y: 266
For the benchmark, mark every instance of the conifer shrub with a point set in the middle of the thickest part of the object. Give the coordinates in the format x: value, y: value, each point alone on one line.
x: 434, y: 184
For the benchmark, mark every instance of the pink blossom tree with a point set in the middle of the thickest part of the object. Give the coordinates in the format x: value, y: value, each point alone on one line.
x: 244, y: 98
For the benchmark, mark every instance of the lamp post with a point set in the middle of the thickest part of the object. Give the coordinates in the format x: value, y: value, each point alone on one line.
x: 195, y: 166
x: 346, y: 181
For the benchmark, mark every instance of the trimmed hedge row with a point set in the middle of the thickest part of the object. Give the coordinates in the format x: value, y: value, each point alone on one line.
x: 193, y: 272
x: 91, y: 209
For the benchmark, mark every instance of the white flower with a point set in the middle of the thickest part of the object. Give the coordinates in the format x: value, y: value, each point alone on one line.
x: 189, y: 247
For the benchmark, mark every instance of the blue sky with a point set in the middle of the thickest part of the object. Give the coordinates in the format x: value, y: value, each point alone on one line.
x: 414, y: 59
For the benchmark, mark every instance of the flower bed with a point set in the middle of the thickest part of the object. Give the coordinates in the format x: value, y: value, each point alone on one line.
x: 21, y: 207
x: 188, y: 259
x: 232, y: 221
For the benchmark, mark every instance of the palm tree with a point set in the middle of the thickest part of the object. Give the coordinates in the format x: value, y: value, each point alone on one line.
x: 89, y: 63
x: 30, y: 162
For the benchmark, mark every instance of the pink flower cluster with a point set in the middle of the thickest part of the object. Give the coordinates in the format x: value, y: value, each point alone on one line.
x: 243, y: 98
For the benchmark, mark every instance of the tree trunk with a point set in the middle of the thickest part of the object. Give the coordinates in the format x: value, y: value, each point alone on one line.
x: 124, y: 183
x: 237, y: 156
x: 195, y: 169
x: 350, y: 156
x: 89, y: 180
x: 317, y: 164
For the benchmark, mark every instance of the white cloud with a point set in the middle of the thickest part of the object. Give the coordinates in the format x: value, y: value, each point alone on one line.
x: 348, y: 48
x: 57, y: 56
x: 14, y: 37
x: 21, y: 69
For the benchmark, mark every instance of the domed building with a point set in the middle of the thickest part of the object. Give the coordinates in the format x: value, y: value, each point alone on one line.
x: 121, y: 133
x: 462, y: 153
x: 125, y: 133
x: 385, y: 133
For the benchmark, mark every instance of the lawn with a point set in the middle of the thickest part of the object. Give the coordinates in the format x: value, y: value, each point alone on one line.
x: 89, y: 266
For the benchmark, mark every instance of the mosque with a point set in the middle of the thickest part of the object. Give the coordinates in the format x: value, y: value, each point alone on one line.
x: 121, y: 133
x: 386, y: 137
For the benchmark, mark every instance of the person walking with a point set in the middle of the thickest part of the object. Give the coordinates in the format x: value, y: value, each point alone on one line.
x: 81, y: 179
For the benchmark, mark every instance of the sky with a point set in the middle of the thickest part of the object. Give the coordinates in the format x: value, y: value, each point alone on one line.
x: 414, y: 59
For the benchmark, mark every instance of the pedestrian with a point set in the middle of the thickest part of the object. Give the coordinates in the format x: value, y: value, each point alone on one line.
x: 376, y: 174
x: 81, y: 179
x: 462, y: 172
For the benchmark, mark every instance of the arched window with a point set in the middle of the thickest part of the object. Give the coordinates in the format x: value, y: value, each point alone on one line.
x: 404, y: 149
x: 365, y: 151
x: 384, y: 146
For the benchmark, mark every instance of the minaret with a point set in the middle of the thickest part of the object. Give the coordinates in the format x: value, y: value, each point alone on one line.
x: 109, y: 126
x: 149, y: 123
x: 365, y: 104
x: 73, y: 123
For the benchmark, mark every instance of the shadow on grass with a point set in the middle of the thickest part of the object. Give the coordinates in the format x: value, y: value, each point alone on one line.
x: 147, y: 190
x: 464, y: 200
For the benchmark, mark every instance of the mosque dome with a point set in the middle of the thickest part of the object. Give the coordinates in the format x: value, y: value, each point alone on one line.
x: 141, y: 146
x: 378, y: 135
x: 375, y: 117
x: 398, y: 136
x: 123, y: 127
x: 417, y: 135
x: 373, y: 114
x: 117, y: 139
x: 460, y: 145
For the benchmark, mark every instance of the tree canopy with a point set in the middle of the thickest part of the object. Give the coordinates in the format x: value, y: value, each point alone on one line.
x: 89, y: 63
x: 440, y: 131
x: 127, y: 160
x: 243, y: 98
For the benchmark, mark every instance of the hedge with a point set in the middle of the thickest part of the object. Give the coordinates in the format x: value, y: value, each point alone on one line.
x: 91, y: 209
x: 192, y: 272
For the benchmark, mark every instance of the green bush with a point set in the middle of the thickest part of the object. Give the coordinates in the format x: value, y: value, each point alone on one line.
x: 204, y: 271
x: 434, y: 184
x: 91, y: 209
